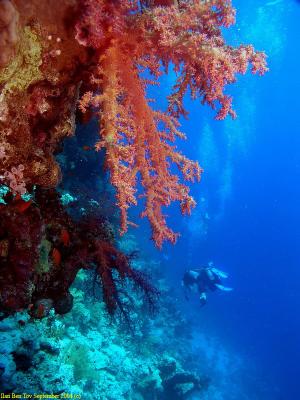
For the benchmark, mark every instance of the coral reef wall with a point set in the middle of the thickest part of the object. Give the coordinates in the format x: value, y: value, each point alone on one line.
x: 96, y: 51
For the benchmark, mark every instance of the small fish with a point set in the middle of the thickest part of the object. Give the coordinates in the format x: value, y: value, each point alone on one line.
x: 40, y: 311
x: 56, y: 256
x: 273, y: 3
x: 130, y: 223
x: 65, y: 237
x: 23, y: 205
x: 87, y: 148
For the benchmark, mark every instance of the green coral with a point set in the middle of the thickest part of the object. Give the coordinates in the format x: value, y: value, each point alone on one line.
x: 78, y: 355
x: 23, y: 70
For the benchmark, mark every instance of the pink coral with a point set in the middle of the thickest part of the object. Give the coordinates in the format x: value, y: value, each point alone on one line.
x: 15, y: 179
x: 138, y: 140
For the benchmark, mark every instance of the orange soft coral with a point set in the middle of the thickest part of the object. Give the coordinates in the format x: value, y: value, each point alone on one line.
x: 138, y: 140
x: 135, y: 145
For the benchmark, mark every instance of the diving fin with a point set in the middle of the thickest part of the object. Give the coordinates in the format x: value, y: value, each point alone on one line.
x: 223, y: 288
x: 220, y: 274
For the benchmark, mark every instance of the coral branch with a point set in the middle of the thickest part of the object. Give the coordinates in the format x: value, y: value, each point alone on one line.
x: 139, y: 140
x: 134, y: 144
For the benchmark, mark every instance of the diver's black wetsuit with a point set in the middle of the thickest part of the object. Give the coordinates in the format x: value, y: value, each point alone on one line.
x: 204, y: 278
x: 207, y: 280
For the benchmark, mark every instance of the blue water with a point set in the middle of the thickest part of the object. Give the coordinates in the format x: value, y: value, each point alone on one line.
x: 248, y: 220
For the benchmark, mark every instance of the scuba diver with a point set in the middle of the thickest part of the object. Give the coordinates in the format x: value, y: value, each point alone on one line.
x: 203, y: 279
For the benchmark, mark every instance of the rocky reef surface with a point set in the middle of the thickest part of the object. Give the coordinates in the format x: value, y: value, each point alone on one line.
x: 88, y: 353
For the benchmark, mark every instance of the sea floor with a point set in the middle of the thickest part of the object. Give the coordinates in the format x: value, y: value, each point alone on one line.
x: 90, y: 355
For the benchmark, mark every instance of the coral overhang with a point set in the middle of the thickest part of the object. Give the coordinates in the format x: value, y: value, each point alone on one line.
x: 116, y: 41
x: 42, y: 248
x: 99, y: 50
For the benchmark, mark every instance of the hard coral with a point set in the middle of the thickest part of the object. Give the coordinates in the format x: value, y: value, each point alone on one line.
x: 39, y: 89
x: 20, y: 236
x: 9, y: 35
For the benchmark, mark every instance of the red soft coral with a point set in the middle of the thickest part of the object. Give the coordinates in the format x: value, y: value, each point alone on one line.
x: 139, y: 140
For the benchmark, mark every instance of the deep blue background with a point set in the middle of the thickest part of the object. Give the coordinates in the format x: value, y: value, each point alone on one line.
x: 248, y: 218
